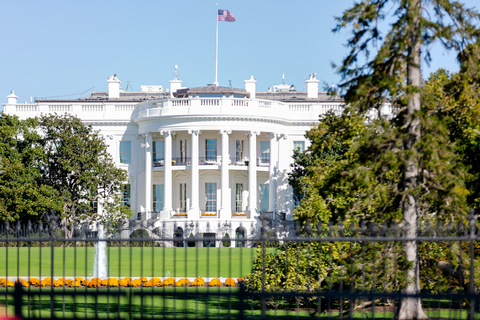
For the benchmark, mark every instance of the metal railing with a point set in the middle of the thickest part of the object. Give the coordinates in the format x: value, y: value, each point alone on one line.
x: 312, y: 271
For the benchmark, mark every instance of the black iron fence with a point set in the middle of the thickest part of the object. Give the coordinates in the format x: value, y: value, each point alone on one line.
x: 321, y: 271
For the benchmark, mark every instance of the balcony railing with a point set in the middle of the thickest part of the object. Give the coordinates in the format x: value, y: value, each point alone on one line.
x: 178, y: 161
x: 208, y: 161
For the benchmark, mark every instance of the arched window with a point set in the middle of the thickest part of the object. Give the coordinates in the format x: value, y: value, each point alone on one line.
x: 239, y: 237
x: 178, y: 234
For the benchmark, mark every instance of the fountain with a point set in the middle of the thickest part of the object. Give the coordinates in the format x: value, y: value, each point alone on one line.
x: 100, y: 263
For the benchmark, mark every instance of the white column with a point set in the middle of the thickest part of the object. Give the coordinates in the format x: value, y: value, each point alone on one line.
x: 167, y: 184
x: 194, y: 211
x: 226, y: 208
x: 272, y: 196
x: 148, y: 173
x: 252, y: 173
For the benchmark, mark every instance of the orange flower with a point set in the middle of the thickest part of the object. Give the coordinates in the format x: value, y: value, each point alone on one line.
x: 198, y: 282
x: 143, y: 279
x: 34, y: 282
x: 230, y: 282
x: 113, y: 282
x: 215, y: 283
x: 182, y: 282
x: 168, y: 282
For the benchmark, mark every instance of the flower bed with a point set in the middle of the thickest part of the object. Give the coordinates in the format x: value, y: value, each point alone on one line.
x: 114, y: 282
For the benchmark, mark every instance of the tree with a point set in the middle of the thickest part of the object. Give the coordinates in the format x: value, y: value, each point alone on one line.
x: 77, y: 165
x: 394, y: 74
x: 23, y: 196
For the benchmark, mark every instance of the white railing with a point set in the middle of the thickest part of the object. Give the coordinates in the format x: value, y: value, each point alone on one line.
x: 92, y: 108
x: 26, y: 108
x: 254, y: 108
x: 59, y: 108
x: 124, y: 107
x: 181, y: 107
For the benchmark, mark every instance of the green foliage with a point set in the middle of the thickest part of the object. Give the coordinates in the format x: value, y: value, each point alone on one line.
x: 226, y: 243
x: 23, y: 195
x: 57, y: 162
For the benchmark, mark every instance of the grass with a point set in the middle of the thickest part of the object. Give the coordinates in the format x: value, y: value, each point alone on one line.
x: 127, y: 261
x: 169, y: 303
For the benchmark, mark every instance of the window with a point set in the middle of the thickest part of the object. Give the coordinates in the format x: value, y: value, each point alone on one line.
x: 239, y: 151
x: 264, y: 197
x: 264, y: 151
x: 183, y: 197
x: 211, y: 150
x: 125, y: 151
x: 158, y: 151
x: 209, y: 240
x: 211, y: 197
x: 178, y: 235
x: 239, y: 236
x: 299, y: 146
x: 126, y: 195
x: 183, y: 151
x: 239, y: 197
x: 157, y: 197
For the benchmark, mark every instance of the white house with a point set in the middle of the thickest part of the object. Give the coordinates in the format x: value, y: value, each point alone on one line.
x: 204, y: 161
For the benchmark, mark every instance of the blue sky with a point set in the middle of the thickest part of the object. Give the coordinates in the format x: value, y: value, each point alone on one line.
x: 55, y: 48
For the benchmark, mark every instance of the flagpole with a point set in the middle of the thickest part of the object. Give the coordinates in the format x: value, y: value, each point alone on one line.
x: 216, y: 51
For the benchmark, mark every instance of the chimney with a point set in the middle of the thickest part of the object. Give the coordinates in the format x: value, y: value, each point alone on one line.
x: 250, y: 86
x: 113, y: 87
x: 312, y: 86
x: 12, y: 98
x: 175, y: 84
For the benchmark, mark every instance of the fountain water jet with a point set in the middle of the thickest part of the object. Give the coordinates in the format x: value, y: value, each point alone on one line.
x: 100, y: 263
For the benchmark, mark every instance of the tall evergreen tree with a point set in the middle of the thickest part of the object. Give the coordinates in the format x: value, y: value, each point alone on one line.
x: 394, y: 75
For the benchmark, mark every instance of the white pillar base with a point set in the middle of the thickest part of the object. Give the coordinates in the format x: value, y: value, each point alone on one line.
x: 225, y: 214
x: 166, y: 214
x: 194, y: 213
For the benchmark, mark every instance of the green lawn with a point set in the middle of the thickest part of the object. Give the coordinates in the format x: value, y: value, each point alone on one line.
x: 132, y: 262
x: 174, y: 302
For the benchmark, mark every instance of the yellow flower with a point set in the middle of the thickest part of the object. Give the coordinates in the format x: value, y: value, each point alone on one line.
x: 168, y: 282
x: 34, y: 282
x: 23, y: 282
x: 143, y: 279
x: 214, y: 283
x: 113, y: 282
x: 182, y: 282
x: 104, y: 282
x: 198, y: 282
x: 230, y: 282
x: 156, y: 281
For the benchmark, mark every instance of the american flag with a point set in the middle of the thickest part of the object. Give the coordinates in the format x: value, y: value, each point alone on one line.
x: 225, y: 15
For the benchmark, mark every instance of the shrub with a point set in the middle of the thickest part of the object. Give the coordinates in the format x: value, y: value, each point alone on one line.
x: 226, y: 243
x: 191, y: 243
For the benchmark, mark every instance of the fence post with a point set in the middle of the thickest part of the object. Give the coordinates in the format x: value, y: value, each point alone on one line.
x: 53, y: 220
x: 18, y: 299
x: 472, y: 218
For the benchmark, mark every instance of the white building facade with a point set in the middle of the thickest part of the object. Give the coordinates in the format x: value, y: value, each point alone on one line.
x: 201, y: 161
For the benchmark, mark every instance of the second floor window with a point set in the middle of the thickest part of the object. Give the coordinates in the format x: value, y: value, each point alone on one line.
x: 211, y: 150
x: 264, y: 151
x: 125, y: 151
x: 183, y: 151
x: 158, y: 152
x: 239, y: 150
